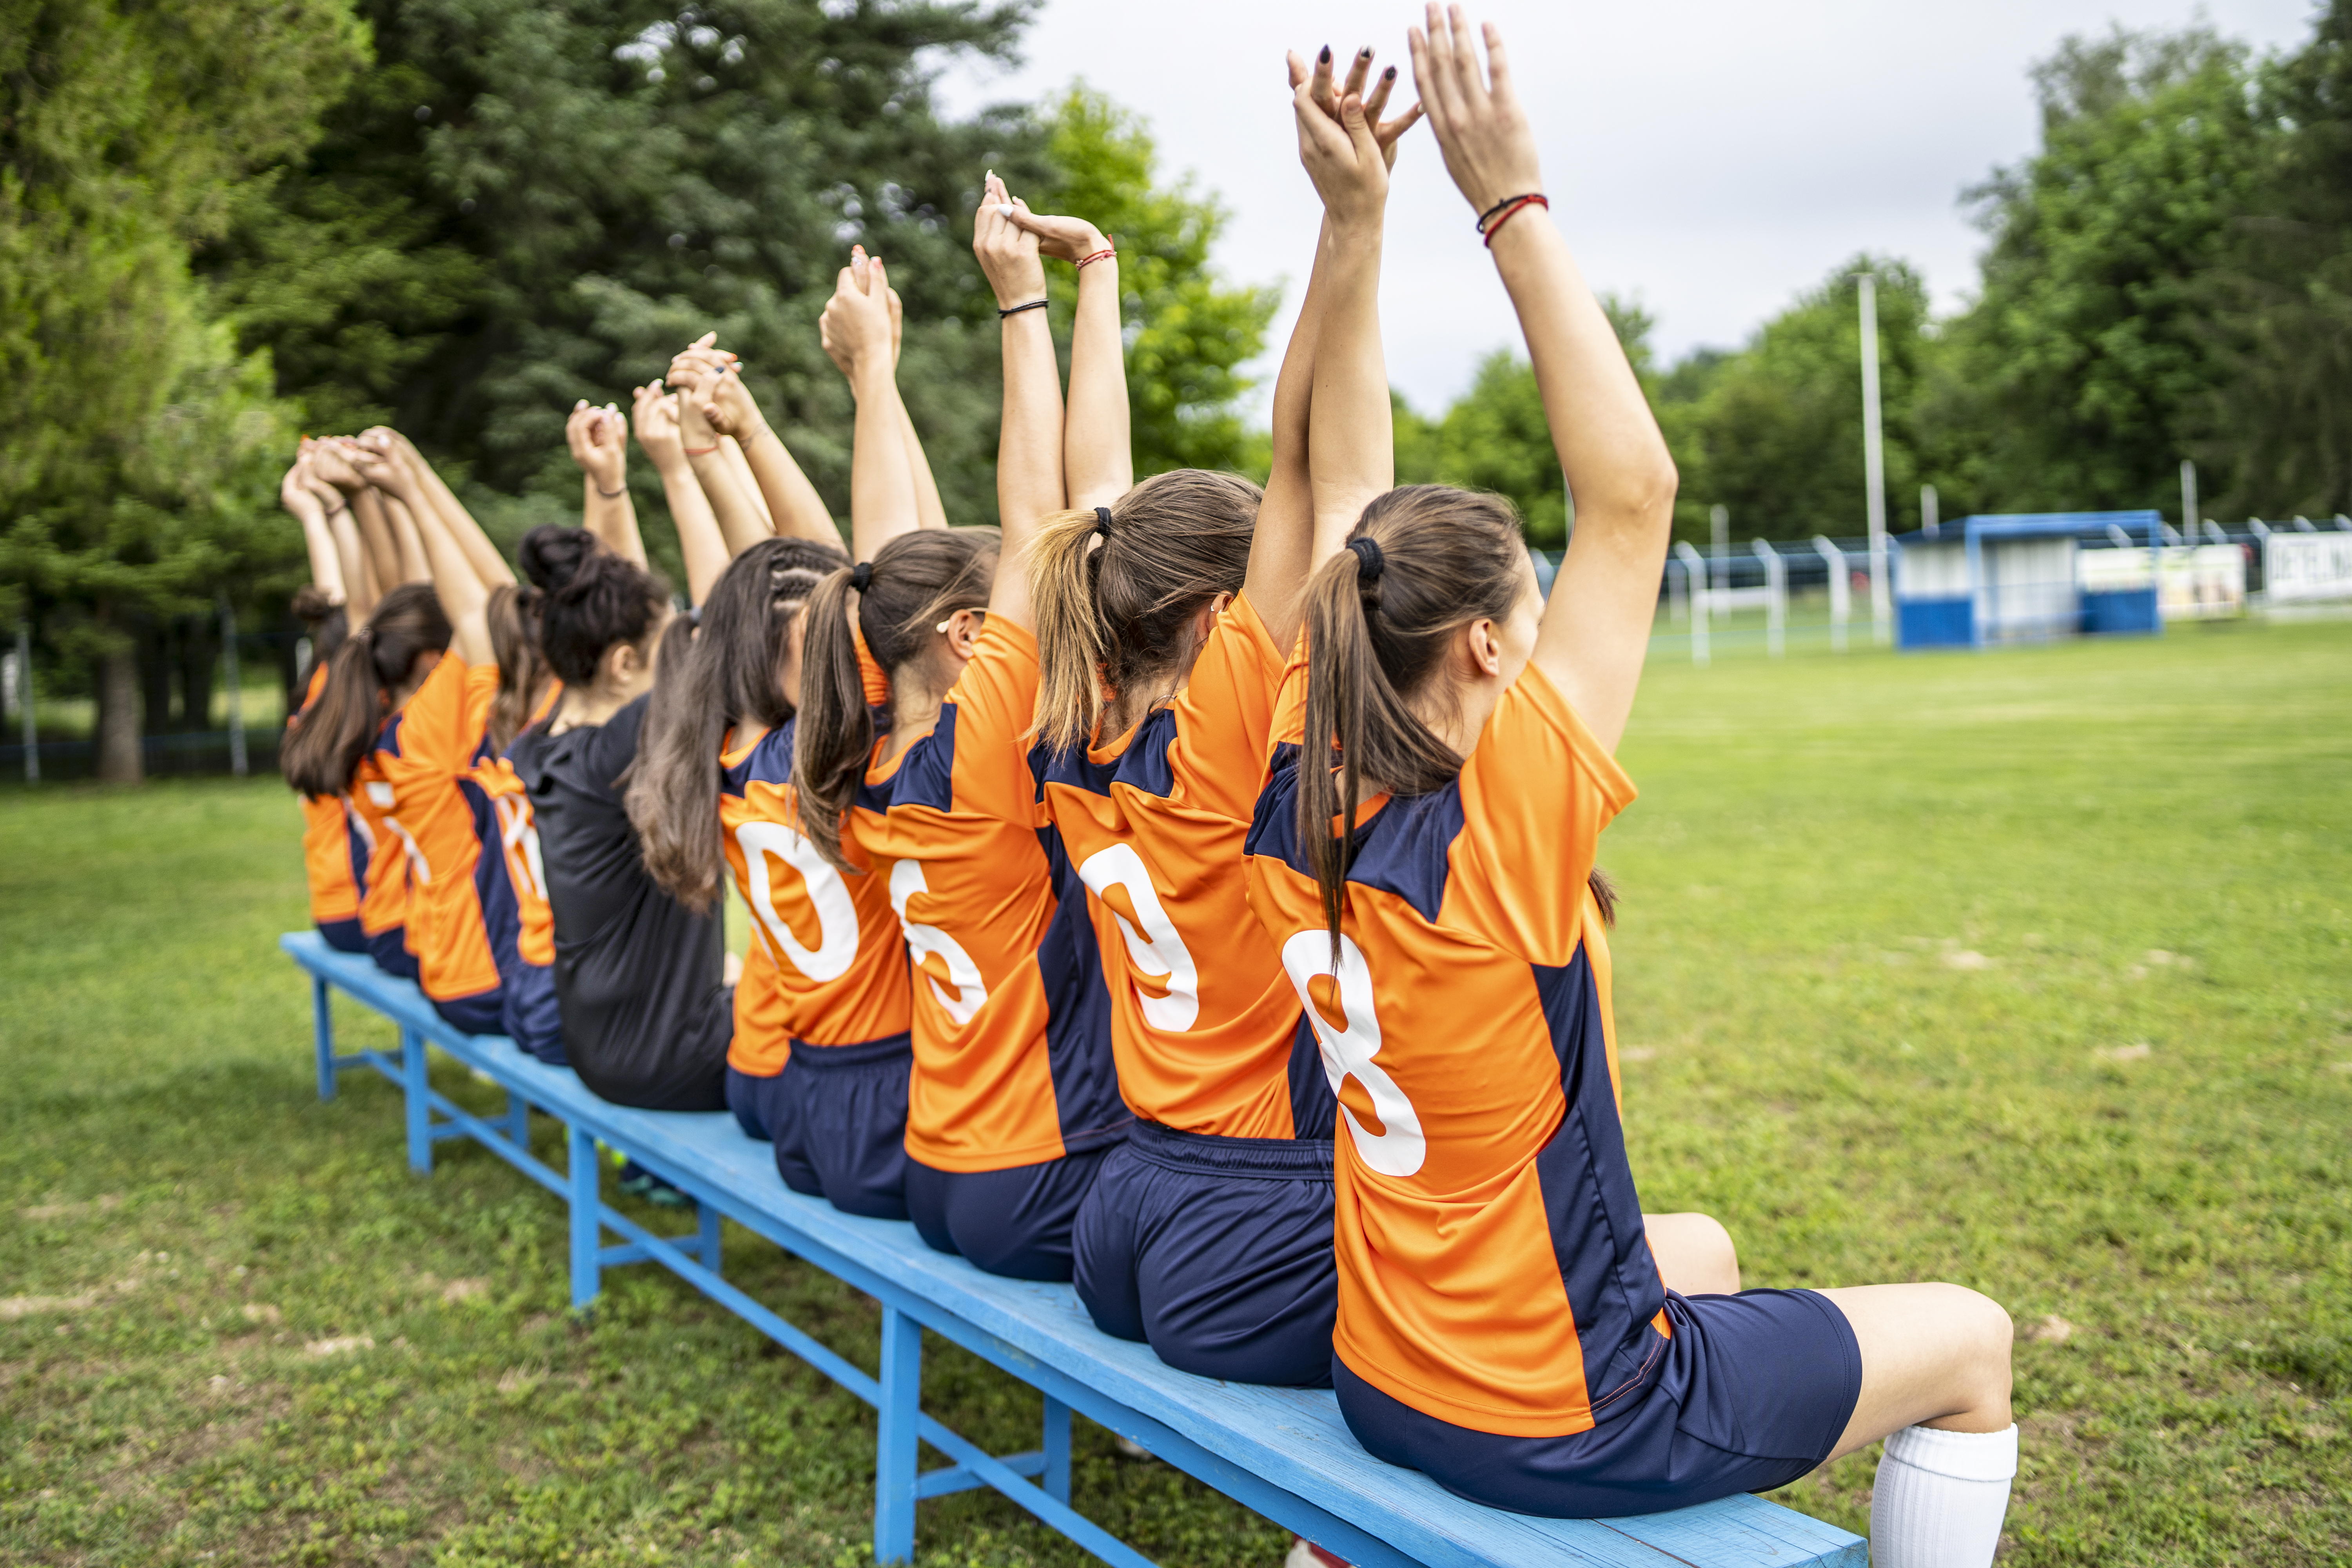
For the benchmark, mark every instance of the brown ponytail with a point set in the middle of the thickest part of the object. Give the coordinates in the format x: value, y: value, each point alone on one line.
x: 321, y: 755
x: 913, y: 583
x: 1114, y: 617
x: 512, y: 615
x: 729, y: 674
x: 1380, y: 618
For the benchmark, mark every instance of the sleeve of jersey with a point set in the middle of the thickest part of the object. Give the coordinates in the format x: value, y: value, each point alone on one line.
x: 995, y: 701
x: 1225, y: 713
x: 435, y: 750
x: 1536, y: 793
x: 1289, y: 724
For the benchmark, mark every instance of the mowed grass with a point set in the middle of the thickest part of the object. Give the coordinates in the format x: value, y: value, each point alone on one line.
x: 2031, y: 971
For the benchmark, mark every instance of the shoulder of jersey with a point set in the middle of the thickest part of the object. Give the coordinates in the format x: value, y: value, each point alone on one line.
x: 1142, y: 766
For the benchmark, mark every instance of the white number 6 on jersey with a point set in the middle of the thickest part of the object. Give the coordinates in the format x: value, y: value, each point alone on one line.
x: 1348, y: 1053
x: 836, y: 914
x: 964, y: 991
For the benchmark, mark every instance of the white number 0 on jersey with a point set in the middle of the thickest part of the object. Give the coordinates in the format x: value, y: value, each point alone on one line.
x: 965, y: 990
x: 1159, y: 948
x: 836, y: 915
x: 1400, y: 1149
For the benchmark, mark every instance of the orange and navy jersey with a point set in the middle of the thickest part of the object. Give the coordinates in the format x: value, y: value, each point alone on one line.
x: 333, y: 858
x: 384, y: 878
x: 510, y: 867
x: 1011, y: 1022
x: 424, y: 755
x: 1206, y: 1026
x: 1493, y: 1271
x: 827, y: 965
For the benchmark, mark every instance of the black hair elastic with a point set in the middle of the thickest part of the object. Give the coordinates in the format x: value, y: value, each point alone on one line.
x: 1016, y: 309
x: 1102, y: 521
x: 861, y: 574
x: 1370, y: 561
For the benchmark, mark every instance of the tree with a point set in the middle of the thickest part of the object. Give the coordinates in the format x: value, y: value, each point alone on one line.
x: 2282, y: 295
x: 129, y: 424
x: 2084, y: 372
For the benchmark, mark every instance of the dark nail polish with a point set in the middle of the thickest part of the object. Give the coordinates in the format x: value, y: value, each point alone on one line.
x: 1389, y: 74
x: 1324, y: 57
x: 1365, y: 53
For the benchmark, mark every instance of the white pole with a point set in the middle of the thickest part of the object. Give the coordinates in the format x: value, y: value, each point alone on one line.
x: 1776, y: 601
x: 1694, y: 573
x: 1931, y: 519
x: 1874, y: 463
x: 25, y: 700
x: 1841, y: 592
x: 2188, y: 499
x: 235, y: 690
x: 1719, y: 518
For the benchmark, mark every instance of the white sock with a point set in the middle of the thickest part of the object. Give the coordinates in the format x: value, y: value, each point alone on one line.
x: 1940, y: 1498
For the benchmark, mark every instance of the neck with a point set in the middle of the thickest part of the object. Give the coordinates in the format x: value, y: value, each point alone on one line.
x: 914, y: 709
x: 594, y: 706
x: 1127, y: 708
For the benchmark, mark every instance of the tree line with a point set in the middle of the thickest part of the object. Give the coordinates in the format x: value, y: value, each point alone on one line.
x: 2170, y: 275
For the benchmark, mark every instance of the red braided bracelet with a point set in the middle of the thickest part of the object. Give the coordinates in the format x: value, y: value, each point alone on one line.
x: 1510, y: 211
x: 1098, y: 256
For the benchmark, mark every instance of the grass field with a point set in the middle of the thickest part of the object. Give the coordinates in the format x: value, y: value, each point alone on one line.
x: 2031, y: 971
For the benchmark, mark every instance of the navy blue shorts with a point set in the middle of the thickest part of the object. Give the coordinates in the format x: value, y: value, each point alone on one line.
x: 837, y: 1116
x: 390, y: 951
x: 1014, y: 1222
x: 345, y: 936
x: 1217, y: 1252
x: 1753, y: 1392
x: 532, y: 1019
x: 484, y: 1013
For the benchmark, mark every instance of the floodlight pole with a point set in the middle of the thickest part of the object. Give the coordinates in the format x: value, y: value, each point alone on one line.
x: 235, y: 690
x: 1776, y: 598
x: 2187, y: 500
x: 1873, y: 461
x: 1719, y: 519
x: 1931, y: 520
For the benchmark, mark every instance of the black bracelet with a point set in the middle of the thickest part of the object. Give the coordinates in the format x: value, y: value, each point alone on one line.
x: 612, y: 495
x: 1016, y: 309
x: 1498, y: 206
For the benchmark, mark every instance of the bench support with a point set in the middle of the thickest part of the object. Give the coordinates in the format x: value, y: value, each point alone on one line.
x: 895, y: 1456
x: 420, y: 1106
x: 322, y: 1029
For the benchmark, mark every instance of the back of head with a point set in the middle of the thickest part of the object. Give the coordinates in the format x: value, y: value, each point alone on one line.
x: 327, y: 622
x: 913, y: 584
x: 1377, y: 637
x: 550, y: 554
x: 605, y: 600
x: 729, y: 674
x: 1114, y: 614
x: 320, y: 757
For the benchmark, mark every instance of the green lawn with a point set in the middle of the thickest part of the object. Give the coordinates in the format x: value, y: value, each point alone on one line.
x: 2031, y: 971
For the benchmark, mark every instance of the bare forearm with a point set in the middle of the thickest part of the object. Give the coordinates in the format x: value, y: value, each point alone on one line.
x: 881, y: 476
x: 1097, y: 455
x: 732, y: 450
x: 1282, y: 546
x: 1351, y: 440
x: 455, y: 581
x: 612, y: 516
x: 698, y: 539
x: 1029, y: 483
x: 800, y: 512
x: 740, y: 522
x: 360, y: 591
x: 488, y: 565
x: 931, y: 512
x: 319, y: 541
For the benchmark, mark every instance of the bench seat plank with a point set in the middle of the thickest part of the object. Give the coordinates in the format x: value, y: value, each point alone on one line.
x: 1292, y: 1440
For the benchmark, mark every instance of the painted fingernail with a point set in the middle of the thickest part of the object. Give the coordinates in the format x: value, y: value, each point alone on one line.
x: 1324, y: 57
x: 1389, y: 74
x: 1004, y: 209
x: 1365, y: 53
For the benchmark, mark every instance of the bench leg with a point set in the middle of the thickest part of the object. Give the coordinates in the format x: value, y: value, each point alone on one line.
x: 896, y: 1454
x: 709, y: 1243
x: 420, y: 1103
x: 322, y: 1032
x: 1057, y: 1479
x: 587, y: 1226
x: 518, y: 1121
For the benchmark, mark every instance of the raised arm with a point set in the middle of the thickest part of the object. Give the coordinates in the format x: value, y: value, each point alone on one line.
x: 698, y: 539
x: 729, y: 407
x: 398, y: 552
x: 1029, y: 485
x: 456, y: 582
x: 432, y: 492
x: 741, y: 524
x: 1596, y: 630
x: 296, y: 495
x: 856, y: 330
x: 928, y: 507
x: 1098, y: 454
x: 599, y: 441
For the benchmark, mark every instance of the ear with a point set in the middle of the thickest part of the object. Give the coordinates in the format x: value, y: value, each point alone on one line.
x: 963, y: 632
x: 1481, y: 647
x: 619, y: 663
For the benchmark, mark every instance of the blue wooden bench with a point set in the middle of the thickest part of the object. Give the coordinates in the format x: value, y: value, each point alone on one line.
x: 1283, y: 1452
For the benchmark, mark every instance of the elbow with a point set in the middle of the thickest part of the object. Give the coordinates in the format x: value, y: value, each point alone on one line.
x: 1639, y: 499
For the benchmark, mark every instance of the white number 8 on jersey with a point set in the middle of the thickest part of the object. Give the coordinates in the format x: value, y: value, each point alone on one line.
x: 1158, y: 950
x: 1400, y: 1149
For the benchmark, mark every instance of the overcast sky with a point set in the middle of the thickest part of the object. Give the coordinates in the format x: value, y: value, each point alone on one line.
x: 1711, y: 157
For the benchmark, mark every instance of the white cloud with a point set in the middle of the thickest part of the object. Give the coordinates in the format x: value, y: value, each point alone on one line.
x: 1711, y: 157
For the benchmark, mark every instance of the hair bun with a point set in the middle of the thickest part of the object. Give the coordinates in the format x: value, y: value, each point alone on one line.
x: 551, y: 554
